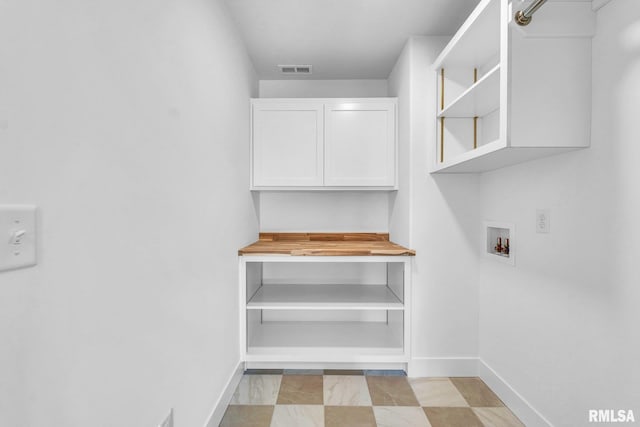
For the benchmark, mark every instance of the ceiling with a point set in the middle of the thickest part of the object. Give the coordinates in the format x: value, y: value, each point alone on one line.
x: 341, y: 39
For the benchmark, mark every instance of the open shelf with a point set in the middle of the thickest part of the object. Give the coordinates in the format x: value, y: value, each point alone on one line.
x: 520, y: 109
x: 478, y: 40
x: 480, y: 99
x: 495, y: 155
x: 471, y: 121
x: 342, y: 297
x: 307, y: 338
x: 323, y: 310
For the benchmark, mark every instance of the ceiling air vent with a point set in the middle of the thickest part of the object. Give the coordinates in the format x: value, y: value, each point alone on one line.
x: 295, y: 69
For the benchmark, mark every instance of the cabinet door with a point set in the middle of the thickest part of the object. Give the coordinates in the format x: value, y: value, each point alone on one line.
x: 287, y: 145
x: 360, y: 144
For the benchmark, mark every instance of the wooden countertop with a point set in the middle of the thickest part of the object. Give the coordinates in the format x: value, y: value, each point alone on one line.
x: 325, y: 244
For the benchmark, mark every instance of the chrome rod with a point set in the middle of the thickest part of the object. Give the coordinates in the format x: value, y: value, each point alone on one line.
x: 523, y: 17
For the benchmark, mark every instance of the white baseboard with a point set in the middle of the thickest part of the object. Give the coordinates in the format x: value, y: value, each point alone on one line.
x: 331, y: 365
x: 223, y: 401
x: 514, y: 400
x: 443, y: 367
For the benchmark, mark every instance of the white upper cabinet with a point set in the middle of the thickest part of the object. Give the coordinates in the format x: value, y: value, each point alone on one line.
x: 323, y: 144
x: 287, y: 144
x: 508, y: 94
x: 359, y: 144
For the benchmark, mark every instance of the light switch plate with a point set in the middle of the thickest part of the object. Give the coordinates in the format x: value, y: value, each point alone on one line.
x: 17, y: 236
x: 168, y: 422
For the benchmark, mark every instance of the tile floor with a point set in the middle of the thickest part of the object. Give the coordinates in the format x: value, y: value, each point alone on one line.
x: 329, y: 398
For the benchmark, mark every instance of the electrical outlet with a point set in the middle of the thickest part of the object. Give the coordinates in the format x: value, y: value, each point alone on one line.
x: 168, y: 422
x: 543, y: 221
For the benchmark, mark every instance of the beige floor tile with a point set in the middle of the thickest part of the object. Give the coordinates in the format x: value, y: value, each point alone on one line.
x: 398, y: 402
x: 476, y: 392
x: 452, y: 417
x: 346, y: 390
x: 247, y: 416
x: 349, y: 416
x: 400, y: 416
x: 298, y: 416
x: 497, y: 417
x: 257, y: 390
x: 438, y: 392
x: 391, y: 391
x: 301, y: 390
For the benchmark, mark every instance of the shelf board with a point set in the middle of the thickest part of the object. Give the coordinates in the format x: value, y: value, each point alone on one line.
x: 325, y: 188
x: 305, y: 247
x: 477, y: 41
x: 453, y: 164
x: 495, y: 155
x: 324, y: 297
x: 313, y: 338
x: 479, y: 100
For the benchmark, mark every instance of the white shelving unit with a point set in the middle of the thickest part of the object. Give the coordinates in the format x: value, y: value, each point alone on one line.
x: 508, y: 94
x: 303, y: 322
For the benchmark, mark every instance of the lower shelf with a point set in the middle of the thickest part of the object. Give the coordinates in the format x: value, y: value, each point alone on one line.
x: 326, y: 341
x: 494, y: 156
x: 354, y: 297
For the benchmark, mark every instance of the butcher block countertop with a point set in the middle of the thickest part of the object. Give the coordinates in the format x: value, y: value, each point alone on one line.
x: 325, y: 244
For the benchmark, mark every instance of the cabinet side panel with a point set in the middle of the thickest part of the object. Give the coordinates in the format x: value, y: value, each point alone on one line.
x: 254, y: 320
x: 395, y: 320
x: 550, y: 84
x: 253, y: 278
x: 395, y: 279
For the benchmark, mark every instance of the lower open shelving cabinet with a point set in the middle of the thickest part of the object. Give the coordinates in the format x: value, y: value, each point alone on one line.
x: 325, y: 311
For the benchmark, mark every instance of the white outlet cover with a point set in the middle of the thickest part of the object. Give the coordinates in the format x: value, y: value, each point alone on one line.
x: 17, y: 236
x: 543, y: 221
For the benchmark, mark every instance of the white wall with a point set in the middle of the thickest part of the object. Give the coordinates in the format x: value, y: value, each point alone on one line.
x: 118, y: 120
x: 399, y: 83
x: 323, y: 88
x: 561, y: 326
x: 322, y: 211
x: 442, y: 215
